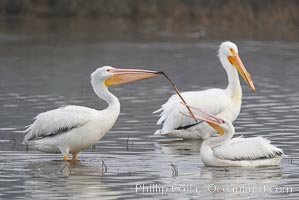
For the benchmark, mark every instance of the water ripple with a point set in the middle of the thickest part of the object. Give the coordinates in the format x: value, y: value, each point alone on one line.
x: 129, y: 155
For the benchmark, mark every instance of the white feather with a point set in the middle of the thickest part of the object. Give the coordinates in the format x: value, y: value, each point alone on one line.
x: 172, y: 117
x: 247, y: 149
x: 48, y: 123
x: 214, y: 101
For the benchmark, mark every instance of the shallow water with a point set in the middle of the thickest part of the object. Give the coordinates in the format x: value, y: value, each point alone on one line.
x: 129, y: 162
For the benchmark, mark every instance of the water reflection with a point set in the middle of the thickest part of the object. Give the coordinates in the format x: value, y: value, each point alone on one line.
x: 178, y: 147
x: 74, y: 178
x: 219, y: 175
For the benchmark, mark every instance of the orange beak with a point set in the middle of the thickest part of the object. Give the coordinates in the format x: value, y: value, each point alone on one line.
x: 210, y: 119
x: 237, y: 62
x: 216, y: 127
x: 122, y: 76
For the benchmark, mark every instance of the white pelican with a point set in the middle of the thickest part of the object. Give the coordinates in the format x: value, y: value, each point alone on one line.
x: 243, y: 152
x: 224, y: 103
x: 71, y: 129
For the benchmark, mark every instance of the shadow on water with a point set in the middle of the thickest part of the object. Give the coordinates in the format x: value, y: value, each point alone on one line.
x: 179, y: 147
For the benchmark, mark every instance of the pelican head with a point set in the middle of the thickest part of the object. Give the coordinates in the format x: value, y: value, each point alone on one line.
x: 113, y: 76
x: 228, y: 54
x: 220, y: 125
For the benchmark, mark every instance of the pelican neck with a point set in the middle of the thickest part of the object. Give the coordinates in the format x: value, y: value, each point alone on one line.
x: 101, y: 90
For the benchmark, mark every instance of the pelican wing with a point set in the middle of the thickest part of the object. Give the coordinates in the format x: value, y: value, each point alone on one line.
x: 247, y: 149
x: 57, y: 121
x: 214, y: 101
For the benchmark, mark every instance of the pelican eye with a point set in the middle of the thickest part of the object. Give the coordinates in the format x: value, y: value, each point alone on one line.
x: 108, y: 70
x: 231, y: 51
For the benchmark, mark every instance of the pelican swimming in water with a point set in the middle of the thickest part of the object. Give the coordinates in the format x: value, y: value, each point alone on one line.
x: 71, y: 129
x: 224, y: 103
x: 243, y: 152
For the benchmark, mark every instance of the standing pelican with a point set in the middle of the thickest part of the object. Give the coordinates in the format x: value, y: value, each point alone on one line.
x: 224, y: 103
x: 71, y: 129
x: 224, y: 151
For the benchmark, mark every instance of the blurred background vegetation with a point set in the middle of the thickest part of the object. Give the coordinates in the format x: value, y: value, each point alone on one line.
x: 153, y: 19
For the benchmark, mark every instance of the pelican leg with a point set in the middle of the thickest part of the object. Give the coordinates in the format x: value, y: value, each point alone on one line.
x: 66, y: 158
x: 65, y: 152
x: 75, y: 158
